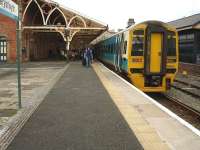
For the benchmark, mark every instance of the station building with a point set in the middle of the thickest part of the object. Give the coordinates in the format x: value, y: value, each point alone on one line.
x: 49, y: 31
x: 189, y: 38
x: 7, y: 38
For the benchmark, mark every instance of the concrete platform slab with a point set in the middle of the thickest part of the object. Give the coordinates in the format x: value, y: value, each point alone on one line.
x: 151, y: 120
x: 77, y: 114
x: 37, y: 79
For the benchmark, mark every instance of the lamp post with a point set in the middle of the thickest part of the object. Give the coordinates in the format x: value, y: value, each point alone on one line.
x: 19, y: 47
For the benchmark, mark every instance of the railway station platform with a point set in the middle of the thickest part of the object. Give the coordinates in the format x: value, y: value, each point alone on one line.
x: 94, y: 109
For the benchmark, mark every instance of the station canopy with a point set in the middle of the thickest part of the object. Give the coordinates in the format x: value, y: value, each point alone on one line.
x: 46, y: 16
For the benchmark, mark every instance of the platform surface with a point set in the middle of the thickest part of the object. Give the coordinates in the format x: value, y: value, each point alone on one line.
x: 77, y: 114
x: 155, y: 127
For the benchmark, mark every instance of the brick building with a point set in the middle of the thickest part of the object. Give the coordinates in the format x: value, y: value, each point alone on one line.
x: 7, y: 39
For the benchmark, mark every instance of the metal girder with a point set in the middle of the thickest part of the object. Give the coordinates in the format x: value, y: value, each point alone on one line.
x: 64, y: 28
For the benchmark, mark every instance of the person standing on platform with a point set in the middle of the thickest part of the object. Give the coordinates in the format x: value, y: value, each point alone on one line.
x: 88, y: 56
x: 83, y: 57
x: 91, y: 55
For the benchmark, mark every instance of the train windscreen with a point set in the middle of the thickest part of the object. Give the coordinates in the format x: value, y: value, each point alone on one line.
x: 138, y: 43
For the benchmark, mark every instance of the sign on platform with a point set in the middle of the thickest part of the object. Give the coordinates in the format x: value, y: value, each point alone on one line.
x: 9, y: 8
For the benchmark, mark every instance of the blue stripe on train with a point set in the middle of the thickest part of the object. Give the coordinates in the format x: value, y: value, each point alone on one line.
x: 109, y: 58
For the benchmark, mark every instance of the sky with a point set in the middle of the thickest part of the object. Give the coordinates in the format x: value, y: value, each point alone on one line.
x: 116, y: 13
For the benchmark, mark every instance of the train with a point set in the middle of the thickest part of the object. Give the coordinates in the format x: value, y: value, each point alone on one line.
x: 147, y: 53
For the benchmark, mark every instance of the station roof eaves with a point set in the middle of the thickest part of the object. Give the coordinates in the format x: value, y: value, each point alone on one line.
x: 76, y: 12
x: 189, y: 21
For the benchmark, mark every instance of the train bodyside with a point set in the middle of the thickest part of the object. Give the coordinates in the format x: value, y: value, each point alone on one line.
x: 147, y: 53
x: 113, y: 51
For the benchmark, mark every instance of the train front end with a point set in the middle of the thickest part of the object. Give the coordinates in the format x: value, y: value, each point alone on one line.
x: 153, y: 56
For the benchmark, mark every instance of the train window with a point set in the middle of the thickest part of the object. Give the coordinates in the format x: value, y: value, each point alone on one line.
x: 112, y: 48
x: 109, y: 49
x: 138, y: 43
x: 125, y: 47
x: 137, y: 46
x: 171, y: 51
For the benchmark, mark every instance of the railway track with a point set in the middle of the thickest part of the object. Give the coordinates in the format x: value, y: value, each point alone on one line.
x: 193, y: 69
x: 189, y: 88
x: 187, y: 113
x: 176, y: 100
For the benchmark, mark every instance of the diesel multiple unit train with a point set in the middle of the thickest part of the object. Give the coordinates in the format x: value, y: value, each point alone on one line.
x: 147, y: 53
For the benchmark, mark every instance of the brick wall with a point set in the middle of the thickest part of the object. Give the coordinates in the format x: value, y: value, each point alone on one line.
x: 8, y: 29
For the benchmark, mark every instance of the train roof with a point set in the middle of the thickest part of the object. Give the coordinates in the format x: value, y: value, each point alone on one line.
x: 155, y: 22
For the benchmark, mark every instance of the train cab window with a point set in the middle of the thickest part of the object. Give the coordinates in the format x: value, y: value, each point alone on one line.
x: 138, y: 43
x: 171, y: 51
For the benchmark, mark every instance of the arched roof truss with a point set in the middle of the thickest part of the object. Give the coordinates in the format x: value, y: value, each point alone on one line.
x: 55, y: 16
x: 33, y: 6
x: 77, y: 21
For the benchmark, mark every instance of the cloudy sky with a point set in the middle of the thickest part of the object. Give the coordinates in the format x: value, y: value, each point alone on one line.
x: 116, y: 13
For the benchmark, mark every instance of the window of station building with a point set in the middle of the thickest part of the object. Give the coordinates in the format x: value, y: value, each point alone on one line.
x: 190, y: 36
x: 186, y: 37
x: 3, y: 49
x: 138, y: 43
x: 171, y: 50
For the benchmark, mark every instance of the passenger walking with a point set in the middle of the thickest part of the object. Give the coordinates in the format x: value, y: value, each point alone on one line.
x: 91, y: 55
x: 88, y: 56
x: 83, y: 56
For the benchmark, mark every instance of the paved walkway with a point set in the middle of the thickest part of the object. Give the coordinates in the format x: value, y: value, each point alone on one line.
x: 77, y: 114
x: 36, y: 78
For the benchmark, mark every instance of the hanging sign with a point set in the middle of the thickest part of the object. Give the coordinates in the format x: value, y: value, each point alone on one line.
x: 9, y: 8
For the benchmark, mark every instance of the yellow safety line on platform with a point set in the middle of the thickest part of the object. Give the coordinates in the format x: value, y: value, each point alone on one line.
x: 146, y: 135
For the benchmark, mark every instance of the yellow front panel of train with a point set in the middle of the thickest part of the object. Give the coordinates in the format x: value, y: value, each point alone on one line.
x: 156, y: 50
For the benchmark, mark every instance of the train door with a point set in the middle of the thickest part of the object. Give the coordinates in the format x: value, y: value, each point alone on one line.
x: 118, y: 56
x: 155, y: 52
x: 3, y: 49
x: 115, y: 55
